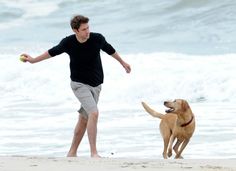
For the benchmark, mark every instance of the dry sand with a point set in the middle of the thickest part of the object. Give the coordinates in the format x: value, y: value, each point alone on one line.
x: 24, y: 163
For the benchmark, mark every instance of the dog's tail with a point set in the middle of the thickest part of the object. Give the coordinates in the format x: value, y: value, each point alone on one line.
x: 152, y: 111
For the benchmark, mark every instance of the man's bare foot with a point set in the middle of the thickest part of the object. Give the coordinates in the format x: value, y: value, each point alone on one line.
x: 95, y: 156
x: 71, y: 155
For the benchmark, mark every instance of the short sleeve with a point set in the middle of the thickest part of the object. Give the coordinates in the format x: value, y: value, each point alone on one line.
x: 106, y: 47
x: 58, y: 49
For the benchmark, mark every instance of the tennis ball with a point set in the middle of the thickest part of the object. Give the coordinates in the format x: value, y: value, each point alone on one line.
x: 22, y: 58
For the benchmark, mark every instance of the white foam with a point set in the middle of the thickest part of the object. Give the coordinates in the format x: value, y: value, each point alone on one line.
x: 37, y: 100
x: 161, y: 76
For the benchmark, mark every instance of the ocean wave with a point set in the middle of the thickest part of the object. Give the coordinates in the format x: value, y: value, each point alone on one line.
x: 193, y: 27
x: 156, y: 77
x: 15, y: 12
x: 161, y: 76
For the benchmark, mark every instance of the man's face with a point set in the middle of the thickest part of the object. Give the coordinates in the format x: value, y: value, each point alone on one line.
x: 83, y: 31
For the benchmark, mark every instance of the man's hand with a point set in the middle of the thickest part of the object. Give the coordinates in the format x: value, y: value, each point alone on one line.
x: 127, y: 67
x: 27, y: 58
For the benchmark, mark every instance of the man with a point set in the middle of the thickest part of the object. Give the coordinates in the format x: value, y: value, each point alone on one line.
x: 86, y: 69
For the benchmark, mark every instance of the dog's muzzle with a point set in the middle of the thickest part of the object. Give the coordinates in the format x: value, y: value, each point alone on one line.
x: 170, y: 108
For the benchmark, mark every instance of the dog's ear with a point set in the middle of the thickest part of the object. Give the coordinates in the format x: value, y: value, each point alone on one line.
x: 185, y: 105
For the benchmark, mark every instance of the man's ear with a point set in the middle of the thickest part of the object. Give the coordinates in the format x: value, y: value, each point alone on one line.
x: 75, y: 30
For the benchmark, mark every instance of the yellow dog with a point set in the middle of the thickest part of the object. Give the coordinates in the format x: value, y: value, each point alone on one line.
x: 178, y: 123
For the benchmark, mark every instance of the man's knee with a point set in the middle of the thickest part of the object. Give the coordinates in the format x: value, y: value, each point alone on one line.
x: 94, y: 114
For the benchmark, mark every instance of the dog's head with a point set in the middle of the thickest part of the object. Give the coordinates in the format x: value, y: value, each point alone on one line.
x: 176, y: 106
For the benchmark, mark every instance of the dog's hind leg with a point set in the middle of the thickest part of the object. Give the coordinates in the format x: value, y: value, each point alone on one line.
x: 172, y: 139
x: 166, y: 134
x: 166, y: 142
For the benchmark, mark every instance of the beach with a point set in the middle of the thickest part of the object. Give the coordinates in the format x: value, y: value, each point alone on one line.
x: 22, y: 163
x: 176, y: 49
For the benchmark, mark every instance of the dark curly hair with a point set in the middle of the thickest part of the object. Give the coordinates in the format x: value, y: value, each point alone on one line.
x: 77, y: 20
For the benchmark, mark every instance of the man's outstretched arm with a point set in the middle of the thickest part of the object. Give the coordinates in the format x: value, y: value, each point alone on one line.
x: 39, y: 58
x: 122, y: 62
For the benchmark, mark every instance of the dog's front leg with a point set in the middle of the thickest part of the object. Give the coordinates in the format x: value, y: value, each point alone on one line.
x: 178, y: 155
x: 176, y: 146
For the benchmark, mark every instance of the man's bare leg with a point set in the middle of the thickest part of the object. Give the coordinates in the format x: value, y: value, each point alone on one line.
x: 92, y: 133
x: 79, y: 131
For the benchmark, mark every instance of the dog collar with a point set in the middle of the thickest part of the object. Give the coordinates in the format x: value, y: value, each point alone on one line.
x: 186, y: 124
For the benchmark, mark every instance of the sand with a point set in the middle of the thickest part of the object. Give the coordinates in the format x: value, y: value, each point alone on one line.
x: 26, y: 163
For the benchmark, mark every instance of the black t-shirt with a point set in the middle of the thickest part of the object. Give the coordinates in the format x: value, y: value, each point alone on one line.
x: 85, y: 60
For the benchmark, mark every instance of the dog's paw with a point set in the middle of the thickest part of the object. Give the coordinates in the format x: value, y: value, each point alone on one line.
x: 178, y: 157
x: 169, y: 153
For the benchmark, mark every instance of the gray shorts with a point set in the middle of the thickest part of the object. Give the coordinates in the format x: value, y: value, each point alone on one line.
x: 88, y: 97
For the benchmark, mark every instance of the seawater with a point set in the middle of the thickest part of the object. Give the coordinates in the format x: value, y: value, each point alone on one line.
x: 177, y: 49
